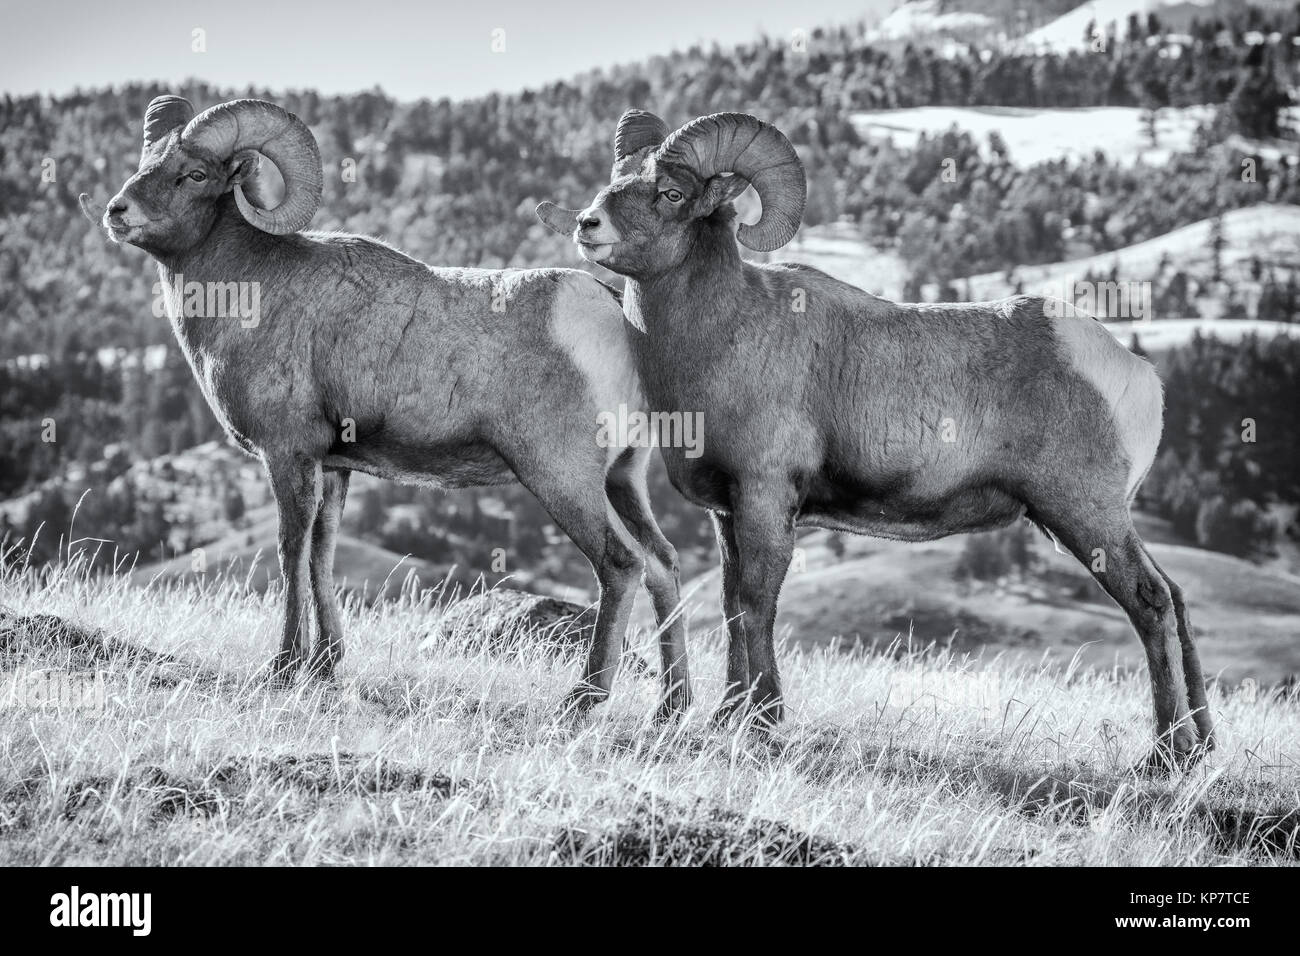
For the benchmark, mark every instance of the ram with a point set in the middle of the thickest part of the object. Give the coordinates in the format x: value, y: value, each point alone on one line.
x: 363, y: 359
x: 824, y: 405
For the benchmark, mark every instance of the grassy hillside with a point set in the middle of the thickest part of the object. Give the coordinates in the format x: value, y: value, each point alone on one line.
x: 205, y: 539
x: 249, y: 555
x: 877, y: 592
x: 433, y: 749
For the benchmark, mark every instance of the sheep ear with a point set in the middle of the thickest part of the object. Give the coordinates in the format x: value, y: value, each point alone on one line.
x: 557, y: 218
x: 245, y: 172
x: 721, y: 189
x: 243, y: 165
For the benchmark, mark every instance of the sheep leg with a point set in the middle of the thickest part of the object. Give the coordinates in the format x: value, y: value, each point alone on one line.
x: 324, y: 533
x: 625, y: 485
x: 737, y: 654
x: 1115, y: 556
x: 763, y: 520
x: 587, y: 517
x: 296, y: 482
x: 1196, y: 696
x: 617, y: 565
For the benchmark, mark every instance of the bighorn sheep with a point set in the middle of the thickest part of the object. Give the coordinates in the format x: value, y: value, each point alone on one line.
x: 364, y: 359
x: 827, y: 406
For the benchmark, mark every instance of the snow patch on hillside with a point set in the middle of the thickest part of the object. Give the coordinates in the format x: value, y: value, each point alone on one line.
x: 1171, y: 333
x: 1267, y: 231
x: 838, y: 249
x: 923, y: 17
x: 1066, y: 32
x: 1039, y: 135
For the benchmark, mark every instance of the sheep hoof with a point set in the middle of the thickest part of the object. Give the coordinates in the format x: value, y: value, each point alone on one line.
x: 322, y: 664
x: 281, y: 670
x: 1160, y: 762
x: 731, y: 707
x: 768, y: 713
x: 578, y: 702
x: 1165, y: 758
x: 1205, y: 731
x: 761, y: 717
x: 672, y: 707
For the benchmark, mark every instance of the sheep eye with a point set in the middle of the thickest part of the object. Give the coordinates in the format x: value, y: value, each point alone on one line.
x: 673, y: 195
x: 198, y: 175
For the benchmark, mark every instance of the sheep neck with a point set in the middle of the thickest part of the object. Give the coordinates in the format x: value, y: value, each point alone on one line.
x: 683, y: 302
x: 227, y: 254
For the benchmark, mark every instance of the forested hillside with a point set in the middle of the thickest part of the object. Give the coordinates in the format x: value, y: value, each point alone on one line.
x: 455, y: 183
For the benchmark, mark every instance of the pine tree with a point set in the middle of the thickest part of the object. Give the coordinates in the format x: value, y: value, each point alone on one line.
x: 233, y: 505
x: 1217, y: 242
x: 1256, y: 102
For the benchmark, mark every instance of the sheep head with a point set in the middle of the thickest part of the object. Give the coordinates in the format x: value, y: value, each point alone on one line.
x: 664, y: 187
x: 188, y: 162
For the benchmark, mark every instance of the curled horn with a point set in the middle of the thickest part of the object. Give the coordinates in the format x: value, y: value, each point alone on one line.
x: 279, y: 136
x: 638, y: 129
x: 163, y: 115
x: 755, y: 151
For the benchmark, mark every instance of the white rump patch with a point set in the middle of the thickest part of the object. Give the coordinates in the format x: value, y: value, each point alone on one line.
x: 1128, y: 383
x: 588, y: 324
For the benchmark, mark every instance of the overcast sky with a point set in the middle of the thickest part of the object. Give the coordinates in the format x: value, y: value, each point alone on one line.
x: 410, y: 48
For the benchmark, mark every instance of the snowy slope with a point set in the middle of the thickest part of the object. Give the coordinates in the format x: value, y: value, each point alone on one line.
x: 1038, y: 135
x: 919, y: 18
x: 839, y: 250
x: 1067, y: 31
x: 1171, y: 333
x: 1271, y: 232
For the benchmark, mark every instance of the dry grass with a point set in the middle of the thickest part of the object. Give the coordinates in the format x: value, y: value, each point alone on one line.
x: 433, y: 748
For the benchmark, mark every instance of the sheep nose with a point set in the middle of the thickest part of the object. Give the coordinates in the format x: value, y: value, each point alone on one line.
x: 587, y: 220
x: 117, y: 207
